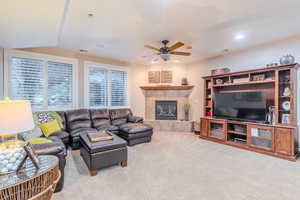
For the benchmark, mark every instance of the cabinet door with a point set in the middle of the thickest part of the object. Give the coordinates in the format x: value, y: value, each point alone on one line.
x: 284, y: 141
x: 204, y: 127
x: 261, y: 137
x: 217, y: 129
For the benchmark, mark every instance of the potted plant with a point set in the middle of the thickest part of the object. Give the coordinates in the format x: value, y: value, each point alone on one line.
x: 186, y: 108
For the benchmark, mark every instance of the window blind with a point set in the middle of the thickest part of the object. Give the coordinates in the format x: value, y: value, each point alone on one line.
x: 27, y: 80
x: 48, y: 84
x: 98, y: 90
x: 119, y: 85
x: 60, y: 85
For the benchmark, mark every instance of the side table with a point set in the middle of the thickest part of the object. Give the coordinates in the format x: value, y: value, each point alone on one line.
x: 31, y: 183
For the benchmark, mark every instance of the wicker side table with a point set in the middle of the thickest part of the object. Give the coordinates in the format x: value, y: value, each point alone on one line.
x: 30, y: 183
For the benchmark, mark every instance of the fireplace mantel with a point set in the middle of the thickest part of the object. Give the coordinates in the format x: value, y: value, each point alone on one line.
x: 168, y: 87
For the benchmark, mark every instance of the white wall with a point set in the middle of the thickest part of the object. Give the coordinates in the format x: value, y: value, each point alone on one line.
x: 179, y: 71
x: 1, y: 73
x: 137, y: 99
x: 243, y: 60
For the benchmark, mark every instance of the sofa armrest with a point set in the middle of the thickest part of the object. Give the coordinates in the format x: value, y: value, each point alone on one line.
x: 135, y: 119
x: 56, y: 147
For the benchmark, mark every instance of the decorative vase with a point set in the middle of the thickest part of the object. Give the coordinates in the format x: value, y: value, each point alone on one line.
x: 186, y: 116
x: 288, y: 59
x: 184, y: 81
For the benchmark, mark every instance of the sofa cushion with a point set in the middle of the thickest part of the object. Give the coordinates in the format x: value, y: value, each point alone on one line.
x: 99, y: 123
x: 38, y: 141
x: 79, y: 131
x: 119, y: 122
x: 113, y: 128
x: 61, y: 134
x: 99, y: 114
x: 77, y: 119
x: 47, y: 116
x: 80, y: 124
x: 50, y: 127
x: 127, y: 136
x: 53, y: 148
x: 134, y: 128
x: 135, y: 119
x: 63, y: 119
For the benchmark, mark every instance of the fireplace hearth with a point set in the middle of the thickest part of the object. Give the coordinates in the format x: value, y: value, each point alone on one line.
x: 166, y: 110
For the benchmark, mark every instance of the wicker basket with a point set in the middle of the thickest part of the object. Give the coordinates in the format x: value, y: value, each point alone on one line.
x: 37, y: 188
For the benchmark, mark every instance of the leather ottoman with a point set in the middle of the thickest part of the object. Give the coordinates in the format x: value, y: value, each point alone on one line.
x: 136, y: 133
x: 99, y: 155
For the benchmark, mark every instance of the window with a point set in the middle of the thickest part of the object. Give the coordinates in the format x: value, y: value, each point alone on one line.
x: 26, y: 80
x: 118, y: 88
x: 60, y: 81
x: 48, y: 82
x: 98, y: 91
x: 105, y: 86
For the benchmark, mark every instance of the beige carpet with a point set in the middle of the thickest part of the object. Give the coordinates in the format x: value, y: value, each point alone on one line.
x: 179, y: 166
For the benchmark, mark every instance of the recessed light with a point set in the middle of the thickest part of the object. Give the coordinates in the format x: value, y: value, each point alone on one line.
x: 100, y: 45
x: 239, y: 36
x: 83, y: 50
x: 177, y: 61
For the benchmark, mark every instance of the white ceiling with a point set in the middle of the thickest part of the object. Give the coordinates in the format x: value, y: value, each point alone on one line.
x: 30, y: 23
x: 120, y: 28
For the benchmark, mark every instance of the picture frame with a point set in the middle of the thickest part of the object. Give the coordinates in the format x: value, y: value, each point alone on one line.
x: 30, y: 153
x: 154, y: 76
x: 166, y: 77
x: 285, y: 118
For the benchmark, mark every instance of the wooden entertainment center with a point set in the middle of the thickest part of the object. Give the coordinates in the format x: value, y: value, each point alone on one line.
x: 279, y: 138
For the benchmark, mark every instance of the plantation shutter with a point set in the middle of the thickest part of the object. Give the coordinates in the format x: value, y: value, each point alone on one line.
x: 119, y: 85
x: 60, y: 85
x: 27, y: 80
x: 97, y: 87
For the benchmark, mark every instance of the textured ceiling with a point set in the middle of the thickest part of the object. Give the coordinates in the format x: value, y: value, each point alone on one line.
x: 120, y: 28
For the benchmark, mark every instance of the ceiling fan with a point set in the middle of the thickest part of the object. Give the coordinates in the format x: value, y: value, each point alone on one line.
x: 165, y: 52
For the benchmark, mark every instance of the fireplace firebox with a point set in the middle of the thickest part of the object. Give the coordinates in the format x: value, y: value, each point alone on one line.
x: 166, y: 110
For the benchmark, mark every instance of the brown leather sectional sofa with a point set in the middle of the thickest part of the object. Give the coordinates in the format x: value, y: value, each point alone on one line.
x: 118, y: 121
x: 75, y: 122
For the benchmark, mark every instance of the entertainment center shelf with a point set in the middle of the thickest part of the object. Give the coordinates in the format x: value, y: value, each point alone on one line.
x: 276, y: 89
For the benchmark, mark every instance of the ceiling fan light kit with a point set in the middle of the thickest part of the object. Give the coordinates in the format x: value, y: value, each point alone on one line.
x: 166, y: 52
x: 165, y: 57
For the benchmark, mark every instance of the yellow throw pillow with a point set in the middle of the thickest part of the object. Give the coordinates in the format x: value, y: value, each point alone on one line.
x: 38, y: 141
x: 50, y: 127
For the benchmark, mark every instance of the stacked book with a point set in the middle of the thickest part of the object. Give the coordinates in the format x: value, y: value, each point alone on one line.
x: 99, y: 136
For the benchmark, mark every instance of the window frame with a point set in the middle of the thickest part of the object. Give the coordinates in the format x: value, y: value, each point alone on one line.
x: 10, y: 53
x: 87, y: 65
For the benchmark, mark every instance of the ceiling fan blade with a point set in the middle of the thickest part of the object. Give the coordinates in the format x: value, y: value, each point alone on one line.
x: 180, y: 53
x: 151, y: 47
x: 175, y: 46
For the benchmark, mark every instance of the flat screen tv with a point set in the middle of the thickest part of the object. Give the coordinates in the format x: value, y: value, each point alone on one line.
x: 245, y: 106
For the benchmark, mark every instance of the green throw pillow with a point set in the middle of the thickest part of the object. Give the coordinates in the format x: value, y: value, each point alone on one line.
x: 38, y: 141
x: 50, y: 127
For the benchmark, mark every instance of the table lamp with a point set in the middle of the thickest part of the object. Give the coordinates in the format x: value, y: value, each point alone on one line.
x: 15, y: 117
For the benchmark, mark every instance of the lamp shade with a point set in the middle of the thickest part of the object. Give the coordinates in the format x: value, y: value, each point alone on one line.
x: 15, y: 117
